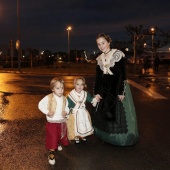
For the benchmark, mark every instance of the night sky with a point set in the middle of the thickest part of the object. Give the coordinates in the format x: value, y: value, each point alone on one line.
x: 43, y: 23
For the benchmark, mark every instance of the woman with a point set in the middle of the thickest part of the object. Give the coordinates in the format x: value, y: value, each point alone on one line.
x: 114, y: 118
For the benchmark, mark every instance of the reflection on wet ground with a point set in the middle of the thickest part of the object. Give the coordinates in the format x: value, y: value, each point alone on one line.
x: 3, y: 125
x: 18, y: 138
x: 22, y: 131
x: 22, y: 127
x: 160, y: 85
x: 3, y: 97
x: 3, y: 102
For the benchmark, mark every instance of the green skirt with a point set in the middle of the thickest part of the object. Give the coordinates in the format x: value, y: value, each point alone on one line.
x: 123, y: 139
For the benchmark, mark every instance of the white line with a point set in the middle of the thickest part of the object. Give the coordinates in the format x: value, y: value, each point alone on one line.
x: 147, y: 91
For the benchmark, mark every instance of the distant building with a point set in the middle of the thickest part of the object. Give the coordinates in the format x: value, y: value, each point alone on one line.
x: 164, y: 52
x: 4, y: 50
x: 77, y: 55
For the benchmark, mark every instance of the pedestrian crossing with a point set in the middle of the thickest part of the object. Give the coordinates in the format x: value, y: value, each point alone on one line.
x: 149, y: 92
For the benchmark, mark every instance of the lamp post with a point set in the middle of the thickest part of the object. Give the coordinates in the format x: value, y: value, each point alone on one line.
x: 68, y: 30
x: 11, y: 52
x: 134, y: 51
x: 18, y: 35
x: 152, y: 32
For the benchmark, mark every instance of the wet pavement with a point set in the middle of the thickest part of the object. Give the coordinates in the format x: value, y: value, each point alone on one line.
x: 22, y: 128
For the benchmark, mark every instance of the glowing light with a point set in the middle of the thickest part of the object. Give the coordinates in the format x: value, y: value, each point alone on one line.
x: 68, y: 28
x: 152, y: 30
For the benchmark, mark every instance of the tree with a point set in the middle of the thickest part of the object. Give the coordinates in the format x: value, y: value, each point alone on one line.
x: 154, y: 39
x: 137, y: 38
x: 161, y: 38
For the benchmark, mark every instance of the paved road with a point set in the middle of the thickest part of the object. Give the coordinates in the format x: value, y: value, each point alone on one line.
x: 22, y: 128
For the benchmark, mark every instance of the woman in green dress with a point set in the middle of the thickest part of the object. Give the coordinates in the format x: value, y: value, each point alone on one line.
x: 114, y: 117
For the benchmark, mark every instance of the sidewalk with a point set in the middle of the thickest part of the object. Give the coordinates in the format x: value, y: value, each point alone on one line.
x: 69, y: 69
x: 74, y: 69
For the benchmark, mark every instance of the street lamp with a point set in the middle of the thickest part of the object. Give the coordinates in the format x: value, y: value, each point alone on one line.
x: 152, y: 32
x: 144, y: 45
x: 69, y: 29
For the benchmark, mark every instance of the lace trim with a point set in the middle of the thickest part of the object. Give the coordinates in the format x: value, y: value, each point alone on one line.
x: 124, y: 87
x: 115, y: 57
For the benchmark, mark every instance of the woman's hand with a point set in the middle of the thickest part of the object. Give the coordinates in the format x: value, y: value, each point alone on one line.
x: 98, y: 97
x: 121, y: 97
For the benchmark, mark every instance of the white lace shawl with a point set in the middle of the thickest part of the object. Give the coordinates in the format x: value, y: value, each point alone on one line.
x: 115, y: 56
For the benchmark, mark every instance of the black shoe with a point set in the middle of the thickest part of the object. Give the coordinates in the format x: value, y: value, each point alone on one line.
x: 51, y: 157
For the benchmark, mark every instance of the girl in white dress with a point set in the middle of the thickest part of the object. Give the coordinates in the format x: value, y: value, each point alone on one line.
x: 79, y: 122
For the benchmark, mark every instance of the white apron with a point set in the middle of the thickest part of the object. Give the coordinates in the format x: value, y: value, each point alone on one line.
x: 82, y: 121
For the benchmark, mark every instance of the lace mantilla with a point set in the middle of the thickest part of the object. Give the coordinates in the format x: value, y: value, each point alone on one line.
x: 105, y: 65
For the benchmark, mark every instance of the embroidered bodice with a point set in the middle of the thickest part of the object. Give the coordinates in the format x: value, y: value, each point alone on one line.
x: 105, y: 64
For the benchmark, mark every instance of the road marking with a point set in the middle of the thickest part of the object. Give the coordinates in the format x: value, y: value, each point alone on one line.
x: 147, y: 91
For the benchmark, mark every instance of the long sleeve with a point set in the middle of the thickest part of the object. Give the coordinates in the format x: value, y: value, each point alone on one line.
x: 122, y: 76
x: 97, y: 80
x: 66, y: 107
x: 89, y: 97
x: 43, y: 105
x: 71, y: 104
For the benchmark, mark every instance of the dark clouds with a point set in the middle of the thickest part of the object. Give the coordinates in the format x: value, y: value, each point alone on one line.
x: 43, y: 23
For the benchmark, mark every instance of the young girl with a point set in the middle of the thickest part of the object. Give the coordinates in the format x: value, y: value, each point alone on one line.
x: 79, y: 121
x: 55, y: 107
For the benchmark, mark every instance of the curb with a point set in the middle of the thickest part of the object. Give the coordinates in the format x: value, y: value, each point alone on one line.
x: 47, y: 73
